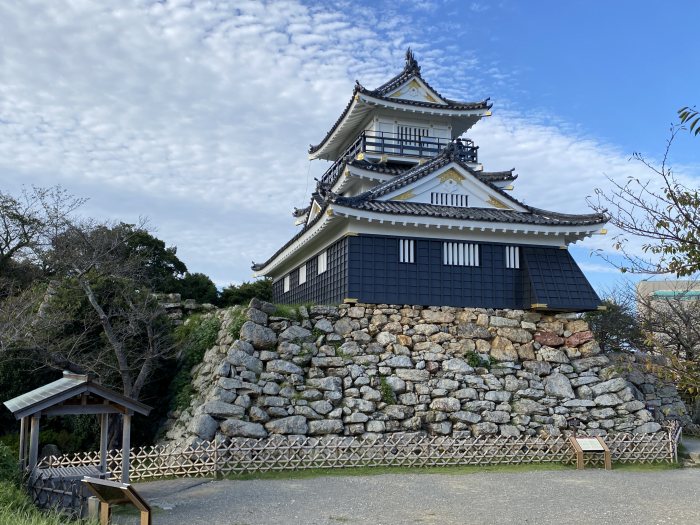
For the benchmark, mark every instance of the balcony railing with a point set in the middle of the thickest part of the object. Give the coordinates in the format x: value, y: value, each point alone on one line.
x: 385, y: 143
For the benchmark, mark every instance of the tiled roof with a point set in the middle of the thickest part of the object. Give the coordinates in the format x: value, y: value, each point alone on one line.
x: 299, y: 212
x: 496, y: 176
x: 368, y: 201
x: 389, y: 169
x: 451, y: 154
x: 411, y: 69
x: 533, y: 216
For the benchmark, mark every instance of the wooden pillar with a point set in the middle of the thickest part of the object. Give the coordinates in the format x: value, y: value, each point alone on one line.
x: 104, y: 436
x: 126, y: 447
x: 23, y: 443
x: 34, y: 442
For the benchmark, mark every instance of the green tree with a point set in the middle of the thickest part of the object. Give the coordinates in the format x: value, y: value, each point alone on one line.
x: 242, y: 293
x: 197, y: 286
x: 162, y: 269
x: 616, y: 328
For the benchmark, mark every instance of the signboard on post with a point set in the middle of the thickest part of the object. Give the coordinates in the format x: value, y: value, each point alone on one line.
x: 113, y: 493
x: 590, y: 444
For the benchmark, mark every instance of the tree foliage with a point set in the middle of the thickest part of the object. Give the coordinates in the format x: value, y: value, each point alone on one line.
x: 198, y: 287
x: 690, y: 116
x: 662, y: 211
x: 616, y: 328
x: 242, y: 293
x: 89, y: 305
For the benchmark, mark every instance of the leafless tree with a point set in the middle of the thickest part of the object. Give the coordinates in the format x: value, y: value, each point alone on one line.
x: 94, y: 308
x: 659, y: 209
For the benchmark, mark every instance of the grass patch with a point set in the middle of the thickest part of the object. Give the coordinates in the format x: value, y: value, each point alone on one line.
x: 287, y: 311
x: 17, y: 509
x: 15, y: 506
x: 237, y: 319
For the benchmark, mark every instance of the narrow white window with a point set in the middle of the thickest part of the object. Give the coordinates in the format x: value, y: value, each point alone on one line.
x: 449, y: 199
x: 407, y: 250
x: 286, y: 284
x: 513, y: 257
x: 322, y: 262
x: 302, y: 273
x: 460, y: 254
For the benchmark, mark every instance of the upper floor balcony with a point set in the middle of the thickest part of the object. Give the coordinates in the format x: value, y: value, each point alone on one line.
x: 397, y: 148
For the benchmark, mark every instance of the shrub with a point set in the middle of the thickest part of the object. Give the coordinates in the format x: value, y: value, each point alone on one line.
x: 475, y: 360
x: 241, y: 294
x: 237, y: 320
x: 197, y: 335
x: 388, y: 395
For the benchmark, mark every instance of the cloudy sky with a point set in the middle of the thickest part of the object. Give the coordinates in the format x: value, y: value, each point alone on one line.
x: 197, y: 114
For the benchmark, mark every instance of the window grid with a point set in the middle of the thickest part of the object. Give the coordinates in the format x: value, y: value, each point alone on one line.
x: 302, y: 274
x: 322, y: 262
x: 412, y: 132
x: 513, y: 257
x: 460, y: 254
x: 449, y: 199
x: 407, y: 251
x: 286, y: 283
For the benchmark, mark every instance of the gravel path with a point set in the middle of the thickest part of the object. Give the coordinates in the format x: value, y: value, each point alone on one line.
x: 558, y: 497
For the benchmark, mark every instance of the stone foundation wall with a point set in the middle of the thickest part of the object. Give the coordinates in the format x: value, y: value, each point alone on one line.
x: 370, y: 369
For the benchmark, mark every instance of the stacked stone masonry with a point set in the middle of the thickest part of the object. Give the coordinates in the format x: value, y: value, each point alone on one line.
x: 363, y: 370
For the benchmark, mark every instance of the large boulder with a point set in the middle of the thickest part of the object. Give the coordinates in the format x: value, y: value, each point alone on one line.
x: 558, y: 385
x: 473, y: 330
x: 325, y: 426
x: 612, y: 385
x: 222, y: 410
x: 261, y: 337
x: 457, y: 365
x: 280, y: 366
x: 239, y: 428
x: 445, y: 404
x: 203, y: 426
x: 288, y: 425
x: 296, y: 334
x: 241, y: 358
x: 502, y: 349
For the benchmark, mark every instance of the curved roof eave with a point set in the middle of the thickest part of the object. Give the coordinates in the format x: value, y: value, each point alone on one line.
x: 366, y: 100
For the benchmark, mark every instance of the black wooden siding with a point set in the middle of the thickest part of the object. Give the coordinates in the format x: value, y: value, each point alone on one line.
x: 376, y: 276
x: 556, y: 280
x: 367, y: 268
x: 328, y: 288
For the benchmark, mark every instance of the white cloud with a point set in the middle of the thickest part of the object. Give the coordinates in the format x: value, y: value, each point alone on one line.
x: 199, y: 114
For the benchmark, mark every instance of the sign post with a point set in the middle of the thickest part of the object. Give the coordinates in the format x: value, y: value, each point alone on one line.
x: 113, y: 493
x: 590, y: 444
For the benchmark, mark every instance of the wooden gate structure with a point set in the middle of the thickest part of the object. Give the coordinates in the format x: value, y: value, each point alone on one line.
x: 72, y: 394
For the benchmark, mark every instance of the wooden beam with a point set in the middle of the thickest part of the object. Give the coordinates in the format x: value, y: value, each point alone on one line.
x: 104, y: 436
x: 67, y: 410
x: 22, y: 443
x: 126, y: 447
x: 34, y: 442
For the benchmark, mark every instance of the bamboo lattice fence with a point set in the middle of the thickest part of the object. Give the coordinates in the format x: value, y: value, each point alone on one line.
x: 237, y: 456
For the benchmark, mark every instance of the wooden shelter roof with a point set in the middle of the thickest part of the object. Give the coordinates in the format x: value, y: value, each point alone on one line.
x: 72, y: 395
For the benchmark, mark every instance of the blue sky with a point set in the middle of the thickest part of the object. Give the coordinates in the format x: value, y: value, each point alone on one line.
x: 198, y: 114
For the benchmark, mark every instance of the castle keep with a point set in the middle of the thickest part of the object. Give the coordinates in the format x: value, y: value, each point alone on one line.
x: 406, y: 214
